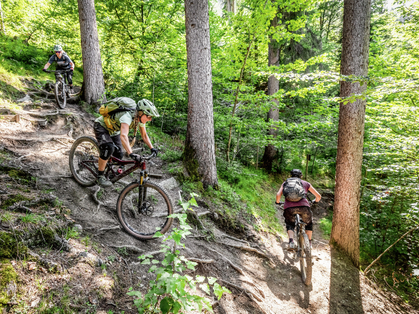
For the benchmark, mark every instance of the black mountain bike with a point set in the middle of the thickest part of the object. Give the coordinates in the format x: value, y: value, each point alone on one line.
x: 303, y: 249
x: 61, y: 89
x: 143, y: 207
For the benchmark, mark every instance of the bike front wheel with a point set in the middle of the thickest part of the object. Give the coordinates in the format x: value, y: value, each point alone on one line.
x: 305, y: 259
x: 143, y: 210
x: 60, y: 95
x: 84, y: 157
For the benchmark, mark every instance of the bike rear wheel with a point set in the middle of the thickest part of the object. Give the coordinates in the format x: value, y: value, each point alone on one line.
x: 305, y: 259
x: 84, y: 157
x: 143, y: 210
x: 60, y: 95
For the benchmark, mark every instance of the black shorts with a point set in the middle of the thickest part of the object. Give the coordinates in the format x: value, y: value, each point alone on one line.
x: 103, y: 137
x: 305, y: 213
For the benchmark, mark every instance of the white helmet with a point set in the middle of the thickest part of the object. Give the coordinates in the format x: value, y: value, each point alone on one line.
x: 58, y: 48
x: 148, y: 108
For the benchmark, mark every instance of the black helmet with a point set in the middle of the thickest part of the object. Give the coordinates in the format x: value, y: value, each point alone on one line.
x: 296, y: 173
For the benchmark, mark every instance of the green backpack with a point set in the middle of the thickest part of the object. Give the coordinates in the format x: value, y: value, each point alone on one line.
x: 113, y: 106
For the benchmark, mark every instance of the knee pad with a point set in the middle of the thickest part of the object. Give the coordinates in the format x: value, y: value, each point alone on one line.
x: 106, y: 150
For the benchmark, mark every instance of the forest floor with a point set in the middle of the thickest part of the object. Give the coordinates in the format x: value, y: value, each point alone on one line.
x: 94, y: 270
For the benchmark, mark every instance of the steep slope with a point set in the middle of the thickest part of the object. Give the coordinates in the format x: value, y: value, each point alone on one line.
x: 92, y: 271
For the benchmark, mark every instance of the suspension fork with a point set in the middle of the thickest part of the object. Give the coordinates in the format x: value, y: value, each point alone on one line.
x: 142, y: 190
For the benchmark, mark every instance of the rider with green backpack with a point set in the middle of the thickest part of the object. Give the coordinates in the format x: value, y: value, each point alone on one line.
x: 118, y: 116
x: 296, y: 202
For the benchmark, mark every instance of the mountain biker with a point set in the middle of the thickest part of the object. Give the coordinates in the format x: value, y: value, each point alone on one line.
x: 112, y: 140
x: 63, y: 63
x: 302, y: 207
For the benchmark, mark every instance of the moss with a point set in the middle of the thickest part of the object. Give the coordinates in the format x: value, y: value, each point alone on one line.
x: 10, y: 248
x: 12, y: 199
x: 190, y: 163
x: 8, y: 276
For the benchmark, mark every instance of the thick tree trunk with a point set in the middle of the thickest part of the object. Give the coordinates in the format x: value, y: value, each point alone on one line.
x: 94, y: 86
x: 355, y: 47
x: 2, y: 19
x: 199, y: 154
x: 273, y: 87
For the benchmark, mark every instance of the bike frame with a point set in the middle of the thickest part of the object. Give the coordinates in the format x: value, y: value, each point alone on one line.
x: 113, y: 161
x: 300, y: 227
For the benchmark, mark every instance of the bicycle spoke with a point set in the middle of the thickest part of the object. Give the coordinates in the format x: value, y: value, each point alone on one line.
x: 143, y: 219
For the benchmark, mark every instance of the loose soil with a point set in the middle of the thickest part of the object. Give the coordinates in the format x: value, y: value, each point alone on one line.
x: 40, y: 146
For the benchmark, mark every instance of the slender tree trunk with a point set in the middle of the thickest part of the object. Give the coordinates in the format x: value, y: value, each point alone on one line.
x: 355, y: 47
x: 2, y: 19
x: 94, y: 86
x: 273, y: 87
x: 199, y: 154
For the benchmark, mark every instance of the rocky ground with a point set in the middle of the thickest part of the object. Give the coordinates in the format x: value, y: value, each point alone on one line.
x: 93, y: 270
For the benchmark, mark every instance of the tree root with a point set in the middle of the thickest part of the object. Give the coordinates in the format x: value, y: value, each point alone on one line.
x: 128, y: 247
x: 245, y: 290
x: 202, y: 261
x: 25, y: 204
x: 235, y: 239
x: 97, y: 200
x: 238, y: 269
x: 117, y: 227
x: 46, y: 114
x: 247, y: 248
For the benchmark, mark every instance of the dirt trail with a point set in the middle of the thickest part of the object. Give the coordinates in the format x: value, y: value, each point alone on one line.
x: 337, y: 286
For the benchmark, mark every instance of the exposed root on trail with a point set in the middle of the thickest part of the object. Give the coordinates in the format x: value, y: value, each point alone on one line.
x: 247, y: 248
x: 202, y: 261
x: 97, y: 200
x: 245, y: 290
x: 23, y: 205
x: 116, y: 227
x: 238, y: 269
x: 128, y: 247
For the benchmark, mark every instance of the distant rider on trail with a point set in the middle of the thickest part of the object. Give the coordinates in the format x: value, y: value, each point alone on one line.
x: 63, y: 63
x: 295, y: 192
x: 119, y: 115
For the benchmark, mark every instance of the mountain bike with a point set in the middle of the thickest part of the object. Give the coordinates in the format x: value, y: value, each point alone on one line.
x: 303, y: 249
x: 142, y: 207
x: 61, y: 89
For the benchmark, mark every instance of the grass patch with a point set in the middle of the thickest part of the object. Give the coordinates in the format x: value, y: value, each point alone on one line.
x: 326, y: 225
x: 13, y: 199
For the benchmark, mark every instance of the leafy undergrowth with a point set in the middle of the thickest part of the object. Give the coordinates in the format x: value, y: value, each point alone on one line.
x: 21, y: 68
x: 46, y: 264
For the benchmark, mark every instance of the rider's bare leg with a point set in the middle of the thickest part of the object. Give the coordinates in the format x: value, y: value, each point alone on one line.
x: 102, y: 164
x: 290, y: 234
x: 309, y: 233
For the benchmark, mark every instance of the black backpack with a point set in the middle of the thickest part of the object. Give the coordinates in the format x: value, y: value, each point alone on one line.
x: 294, y: 190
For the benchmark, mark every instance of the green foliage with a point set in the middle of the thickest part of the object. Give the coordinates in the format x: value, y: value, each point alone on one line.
x: 8, y: 275
x: 172, y: 291
x: 326, y: 225
x: 11, y: 247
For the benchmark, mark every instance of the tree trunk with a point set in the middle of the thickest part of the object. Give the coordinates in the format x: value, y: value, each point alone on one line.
x: 199, y: 154
x: 94, y: 86
x: 2, y: 19
x: 273, y: 87
x: 355, y: 47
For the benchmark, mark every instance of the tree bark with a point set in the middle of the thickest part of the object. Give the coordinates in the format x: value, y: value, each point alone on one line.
x: 2, y: 19
x: 199, y: 154
x: 355, y: 47
x: 273, y: 87
x: 93, y: 83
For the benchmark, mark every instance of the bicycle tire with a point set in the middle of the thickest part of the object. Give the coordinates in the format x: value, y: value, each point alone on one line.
x: 60, y: 95
x: 84, y: 157
x: 306, y: 265
x: 152, y: 217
